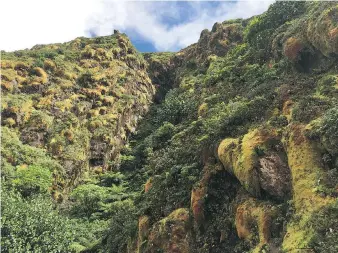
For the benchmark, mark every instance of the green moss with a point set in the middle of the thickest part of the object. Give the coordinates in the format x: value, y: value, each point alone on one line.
x: 240, y: 157
x: 305, y: 164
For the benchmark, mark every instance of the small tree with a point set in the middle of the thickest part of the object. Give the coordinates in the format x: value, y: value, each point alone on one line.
x: 32, y: 180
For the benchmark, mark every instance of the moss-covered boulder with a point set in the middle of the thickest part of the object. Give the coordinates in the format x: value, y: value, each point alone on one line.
x: 171, y: 234
x: 254, y: 217
x: 258, y: 162
x: 304, y: 159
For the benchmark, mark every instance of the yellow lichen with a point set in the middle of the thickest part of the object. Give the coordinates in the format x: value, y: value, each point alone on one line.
x: 88, y: 52
x: 21, y: 66
x: 8, y: 75
x: 202, y: 110
x: 45, y: 102
x: 5, y: 64
x: 8, y: 86
x: 241, y: 160
x: 304, y: 160
x: 10, y: 122
x: 66, y: 84
x: 40, y: 78
x: 251, y: 212
x: 49, y: 65
x: 287, y: 109
x: 64, y: 105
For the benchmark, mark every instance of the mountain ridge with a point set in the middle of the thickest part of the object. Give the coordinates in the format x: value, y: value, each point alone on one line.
x: 229, y: 145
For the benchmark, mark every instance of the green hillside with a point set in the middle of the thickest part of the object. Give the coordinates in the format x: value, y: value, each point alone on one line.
x: 229, y: 145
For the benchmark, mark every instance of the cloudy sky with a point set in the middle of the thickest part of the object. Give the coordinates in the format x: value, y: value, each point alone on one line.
x: 151, y: 25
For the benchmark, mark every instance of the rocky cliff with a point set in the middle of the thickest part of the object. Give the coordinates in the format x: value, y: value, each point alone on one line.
x: 239, y: 152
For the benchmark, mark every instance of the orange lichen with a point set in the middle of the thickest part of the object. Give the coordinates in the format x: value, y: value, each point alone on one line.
x: 292, y: 47
x: 333, y: 33
x: 171, y: 234
x: 253, y: 212
x: 199, y: 192
x: 197, y: 203
x: 68, y: 134
x: 148, y: 185
x: 143, y: 230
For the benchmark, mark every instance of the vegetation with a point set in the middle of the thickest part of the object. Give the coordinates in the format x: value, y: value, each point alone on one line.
x: 238, y: 152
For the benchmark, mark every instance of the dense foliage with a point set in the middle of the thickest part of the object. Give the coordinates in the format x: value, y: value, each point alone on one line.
x: 237, y: 154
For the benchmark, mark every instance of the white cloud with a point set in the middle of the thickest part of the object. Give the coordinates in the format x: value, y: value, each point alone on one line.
x: 25, y: 23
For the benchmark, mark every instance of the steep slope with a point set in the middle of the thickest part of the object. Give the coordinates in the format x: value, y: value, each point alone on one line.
x: 237, y: 154
x: 242, y: 153
x: 78, y: 101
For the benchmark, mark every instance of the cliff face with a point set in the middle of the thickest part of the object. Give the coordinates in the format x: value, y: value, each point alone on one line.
x: 239, y: 152
x: 78, y: 101
x: 239, y: 139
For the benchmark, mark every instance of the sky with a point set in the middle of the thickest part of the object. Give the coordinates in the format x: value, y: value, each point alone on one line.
x: 151, y: 25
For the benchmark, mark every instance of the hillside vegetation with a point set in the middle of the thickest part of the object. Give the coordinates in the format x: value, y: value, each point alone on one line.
x: 229, y: 145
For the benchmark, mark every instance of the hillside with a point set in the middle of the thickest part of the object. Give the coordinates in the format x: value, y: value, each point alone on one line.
x: 229, y: 145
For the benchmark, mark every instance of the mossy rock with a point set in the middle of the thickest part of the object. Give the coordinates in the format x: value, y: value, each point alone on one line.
x: 304, y: 159
x: 171, y: 234
x: 253, y: 214
x: 242, y: 159
x: 322, y: 31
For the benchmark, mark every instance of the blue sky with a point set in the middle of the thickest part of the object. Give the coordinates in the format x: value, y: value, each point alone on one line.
x: 186, y: 13
x: 151, y: 25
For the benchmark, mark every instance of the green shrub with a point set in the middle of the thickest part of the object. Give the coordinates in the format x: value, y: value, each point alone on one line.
x: 88, y: 199
x: 122, y: 228
x: 163, y: 134
x: 309, y: 108
x: 32, y: 225
x: 325, y: 223
x: 109, y: 179
x: 16, y: 153
x: 328, y: 130
x: 39, y: 62
x: 32, y: 180
x: 177, y: 107
x: 86, y: 80
x: 259, y: 31
x: 279, y: 121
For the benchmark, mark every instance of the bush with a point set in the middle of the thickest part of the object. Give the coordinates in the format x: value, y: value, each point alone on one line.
x: 163, y: 134
x: 16, y: 153
x: 328, y: 130
x: 88, y: 199
x: 177, y: 107
x: 32, y: 225
x: 86, y: 80
x: 279, y: 121
x: 325, y: 223
x: 260, y: 30
x: 309, y: 108
x: 123, y: 226
x: 32, y: 180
